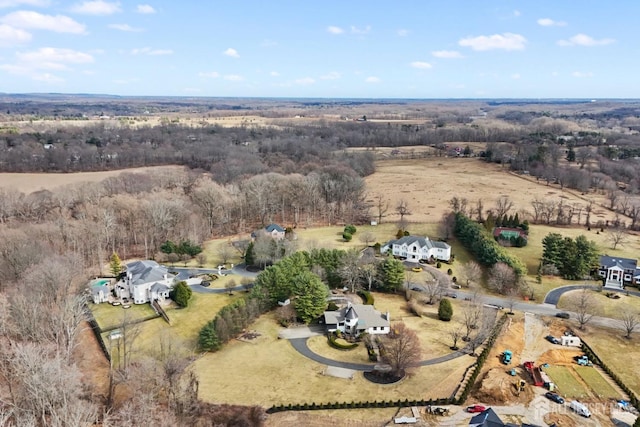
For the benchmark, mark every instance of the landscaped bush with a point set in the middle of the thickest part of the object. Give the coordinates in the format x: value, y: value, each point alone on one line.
x: 438, y: 264
x: 338, y: 345
x: 350, y: 228
x: 332, y: 306
x: 347, y: 236
x: 366, y: 297
x: 449, y: 272
x: 445, y: 310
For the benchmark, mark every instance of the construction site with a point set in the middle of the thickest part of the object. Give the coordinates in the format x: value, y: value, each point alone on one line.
x: 529, y: 360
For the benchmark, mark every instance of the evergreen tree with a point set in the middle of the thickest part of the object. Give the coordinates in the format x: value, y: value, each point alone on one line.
x: 390, y: 275
x: 445, y: 310
x: 311, y: 299
x: 208, y: 340
x: 249, y: 257
x: 115, y: 265
x: 516, y: 220
x: 181, y: 294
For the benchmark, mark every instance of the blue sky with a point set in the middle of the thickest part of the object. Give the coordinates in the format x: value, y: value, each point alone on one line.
x: 328, y: 49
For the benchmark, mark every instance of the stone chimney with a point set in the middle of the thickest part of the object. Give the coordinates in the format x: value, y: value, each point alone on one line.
x: 387, y: 316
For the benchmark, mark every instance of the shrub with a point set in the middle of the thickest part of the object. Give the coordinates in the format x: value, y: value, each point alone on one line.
x: 445, y: 310
x: 366, y: 297
x: 333, y: 343
x: 181, y: 294
x: 454, y: 279
x: 449, y: 272
x: 347, y: 236
x: 332, y: 306
x: 438, y: 264
x: 350, y: 228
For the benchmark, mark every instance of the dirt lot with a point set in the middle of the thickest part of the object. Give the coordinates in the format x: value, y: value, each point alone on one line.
x: 428, y: 185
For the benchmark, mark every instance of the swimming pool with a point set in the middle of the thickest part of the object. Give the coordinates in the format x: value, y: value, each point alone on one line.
x: 100, y: 282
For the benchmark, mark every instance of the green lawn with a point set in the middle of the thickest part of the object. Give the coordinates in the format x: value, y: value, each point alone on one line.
x: 109, y: 316
x: 597, y: 382
x: 568, y: 384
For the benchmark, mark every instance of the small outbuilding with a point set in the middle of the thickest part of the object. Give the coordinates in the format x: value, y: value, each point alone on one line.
x: 570, y: 341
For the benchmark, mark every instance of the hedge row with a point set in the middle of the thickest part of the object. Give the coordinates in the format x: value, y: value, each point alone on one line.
x: 367, y: 297
x: 482, y: 245
x: 633, y: 399
x: 333, y: 343
x: 481, y: 359
x: 353, y: 405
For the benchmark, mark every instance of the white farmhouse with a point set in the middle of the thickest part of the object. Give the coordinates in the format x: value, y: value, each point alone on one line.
x: 416, y: 249
x: 355, y: 319
x: 145, y: 281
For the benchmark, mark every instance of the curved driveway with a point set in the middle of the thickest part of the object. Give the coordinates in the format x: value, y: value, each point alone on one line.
x: 554, y: 295
x: 300, y: 344
x: 240, y: 270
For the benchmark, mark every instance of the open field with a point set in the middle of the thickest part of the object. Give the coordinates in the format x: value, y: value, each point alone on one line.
x: 428, y: 185
x: 276, y: 373
x: 596, y: 382
x: 30, y: 182
x: 185, y: 323
x: 567, y: 381
x: 109, y: 316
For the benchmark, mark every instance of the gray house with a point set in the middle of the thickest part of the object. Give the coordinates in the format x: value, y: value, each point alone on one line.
x: 145, y: 281
x: 355, y: 319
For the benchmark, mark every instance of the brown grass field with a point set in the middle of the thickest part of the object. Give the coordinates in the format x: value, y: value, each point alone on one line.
x: 428, y: 184
x: 30, y: 182
x: 275, y: 373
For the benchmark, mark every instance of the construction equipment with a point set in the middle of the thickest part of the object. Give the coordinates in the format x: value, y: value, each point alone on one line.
x: 520, y: 385
x: 512, y: 372
x: 531, y: 368
x: 506, y: 357
x: 584, y: 361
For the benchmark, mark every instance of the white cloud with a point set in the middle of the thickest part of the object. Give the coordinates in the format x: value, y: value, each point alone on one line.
x: 150, y: 52
x: 37, y: 63
x: 356, y: 30
x: 47, y: 78
x: 421, y: 65
x: 335, y: 30
x: 515, y: 76
x: 447, y: 54
x: 37, y: 21
x: 517, y: 13
x: 231, y: 52
x: 402, y: 32
x: 209, y: 74
x: 145, y: 9
x: 505, y: 41
x: 125, y: 27
x: 372, y: 79
x: 233, y: 78
x: 16, y: 3
x: 305, y: 81
x: 548, y: 22
x: 584, y: 40
x: 96, y: 7
x: 10, y: 36
x: 331, y: 76
x: 582, y: 75
x: 274, y: 74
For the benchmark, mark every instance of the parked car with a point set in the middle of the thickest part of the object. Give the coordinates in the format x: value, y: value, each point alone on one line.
x: 417, y: 269
x: 555, y: 397
x: 563, y: 315
x: 205, y: 283
x: 552, y: 339
x: 455, y: 286
x: 417, y: 289
x: 451, y: 295
x: 476, y: 408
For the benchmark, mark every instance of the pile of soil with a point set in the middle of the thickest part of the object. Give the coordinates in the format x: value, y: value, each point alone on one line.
x: 498, y: 387
x: 560, y: 356
x: 560, y: 420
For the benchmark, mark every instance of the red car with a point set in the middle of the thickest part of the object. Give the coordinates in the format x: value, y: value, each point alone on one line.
x: 476, y: 408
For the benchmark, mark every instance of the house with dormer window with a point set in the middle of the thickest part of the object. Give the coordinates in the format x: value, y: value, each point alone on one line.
x: 418, y: 249
x: 355, y: 319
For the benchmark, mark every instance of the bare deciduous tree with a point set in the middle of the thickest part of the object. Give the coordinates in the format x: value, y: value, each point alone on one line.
x: 503, y: 206
x: 401, y: 349
x: 224, y: 253
x: 402, y: 209
x: 471, y: 273
x: 456, y: 334
x: 367, y: 238
x: 368, y: 272
x: 471, y: 314
x: 629, y: 321
x: 502, y: 278
x: 459, y: 204
x: 434, y: 289
x: 585, y: 307
x: 382, y: 207
x: 617, y: 237
x: 350, y: 270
